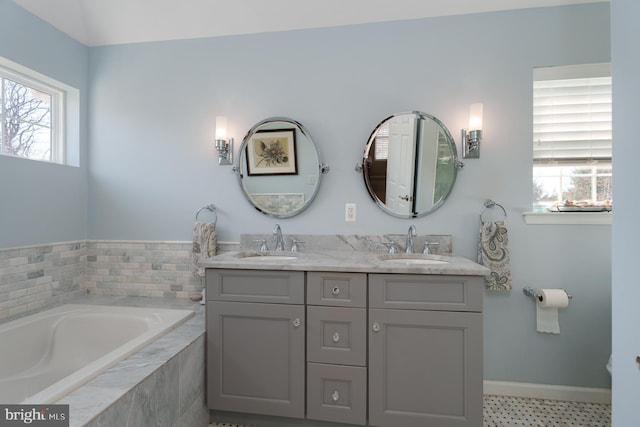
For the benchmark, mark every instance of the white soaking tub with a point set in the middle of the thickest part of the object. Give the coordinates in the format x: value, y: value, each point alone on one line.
x: 49, y: 354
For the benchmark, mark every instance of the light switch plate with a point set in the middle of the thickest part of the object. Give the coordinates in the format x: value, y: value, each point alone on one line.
x: 350, y: 212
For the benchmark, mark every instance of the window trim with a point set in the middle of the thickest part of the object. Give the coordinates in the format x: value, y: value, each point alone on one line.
x: 65, y: 112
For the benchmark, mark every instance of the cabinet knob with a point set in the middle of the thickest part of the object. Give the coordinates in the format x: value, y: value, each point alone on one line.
x: 296, y: 322
x: 376, y: 327
x: 335, y: 337
x: 335, y: 396
x: 335, y: 290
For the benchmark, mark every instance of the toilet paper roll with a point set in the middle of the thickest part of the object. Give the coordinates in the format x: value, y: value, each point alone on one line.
x: 553, y: 298
x: 547, y: 309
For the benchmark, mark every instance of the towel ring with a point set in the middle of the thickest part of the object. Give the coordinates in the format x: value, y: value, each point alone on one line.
x: 210, y: 208
x: 489, y: 204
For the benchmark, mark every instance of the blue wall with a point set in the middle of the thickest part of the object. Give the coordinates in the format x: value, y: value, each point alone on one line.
x: 151, y: 162
x: 626, y: 230
x: 43, y: 202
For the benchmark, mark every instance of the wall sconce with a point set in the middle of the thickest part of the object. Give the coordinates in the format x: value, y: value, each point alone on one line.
x: 224, y: 145
x: 471, y: 138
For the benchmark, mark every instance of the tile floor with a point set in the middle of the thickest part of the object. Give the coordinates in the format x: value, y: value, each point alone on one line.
x: 505, y: 411
x: 502, y: 411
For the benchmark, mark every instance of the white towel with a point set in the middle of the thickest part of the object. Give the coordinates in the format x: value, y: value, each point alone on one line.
x: 493, y: 253
x: 205, y: 244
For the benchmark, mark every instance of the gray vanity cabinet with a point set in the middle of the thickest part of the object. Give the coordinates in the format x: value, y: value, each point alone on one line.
x: 387, y: 350
x: 256, y: 342
x: 425, y: 350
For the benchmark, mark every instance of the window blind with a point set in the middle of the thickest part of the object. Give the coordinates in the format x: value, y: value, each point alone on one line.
x: 572, y: 114
x: 382, y: 143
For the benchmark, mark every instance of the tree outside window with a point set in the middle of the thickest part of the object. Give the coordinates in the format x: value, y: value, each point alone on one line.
x: 26, y: 121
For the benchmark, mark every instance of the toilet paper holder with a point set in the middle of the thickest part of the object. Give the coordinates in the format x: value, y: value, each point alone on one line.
x: 530, y: 292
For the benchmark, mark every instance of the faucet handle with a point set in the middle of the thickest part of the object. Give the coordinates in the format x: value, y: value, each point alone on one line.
x: 294, y: 245
x: 426, y: 250
x: 263, y: 245
x: 392, y: 247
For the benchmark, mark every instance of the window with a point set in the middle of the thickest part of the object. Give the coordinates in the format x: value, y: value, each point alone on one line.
x: 35, y: 113
x: 572, y: 138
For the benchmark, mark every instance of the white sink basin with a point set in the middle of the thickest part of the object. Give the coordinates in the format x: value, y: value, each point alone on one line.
x: 415, y: 261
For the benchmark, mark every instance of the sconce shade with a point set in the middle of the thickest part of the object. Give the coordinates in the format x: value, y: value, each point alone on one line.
x: 475, y: 116
x: 221, y: 127
x: 471, y: 138
x: 224, y: 145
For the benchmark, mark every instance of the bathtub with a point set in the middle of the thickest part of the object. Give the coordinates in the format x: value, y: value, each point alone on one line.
x: 49, y: 354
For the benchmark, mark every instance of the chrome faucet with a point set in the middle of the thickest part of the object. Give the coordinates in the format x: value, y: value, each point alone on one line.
x: 410, y: 235
x: 279, y: 240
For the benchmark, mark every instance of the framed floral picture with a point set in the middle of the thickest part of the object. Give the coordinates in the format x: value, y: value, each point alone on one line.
x: 272, y: 152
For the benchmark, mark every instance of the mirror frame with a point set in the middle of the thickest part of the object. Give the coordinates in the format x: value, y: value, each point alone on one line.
x: 362, y: 167
x: 239, y: 169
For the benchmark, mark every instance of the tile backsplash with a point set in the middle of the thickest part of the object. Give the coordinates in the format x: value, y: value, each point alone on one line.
x: 154, y: 269
x: 32, y: 277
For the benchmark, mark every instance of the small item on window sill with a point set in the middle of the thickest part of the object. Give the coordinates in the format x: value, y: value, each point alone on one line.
x: 582, y: 206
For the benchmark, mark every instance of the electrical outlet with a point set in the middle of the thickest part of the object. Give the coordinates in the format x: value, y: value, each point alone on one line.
x: 350, y: 212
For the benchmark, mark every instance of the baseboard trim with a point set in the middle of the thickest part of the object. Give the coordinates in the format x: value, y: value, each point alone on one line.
x: 548, y: 391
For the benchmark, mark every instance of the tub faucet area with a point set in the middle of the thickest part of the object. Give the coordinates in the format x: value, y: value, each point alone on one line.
x: 410, y: 235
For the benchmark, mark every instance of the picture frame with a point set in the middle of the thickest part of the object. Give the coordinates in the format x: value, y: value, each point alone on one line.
x: 272, y: 152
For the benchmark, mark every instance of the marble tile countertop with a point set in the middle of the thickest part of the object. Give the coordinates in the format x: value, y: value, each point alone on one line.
x: 365, y: 254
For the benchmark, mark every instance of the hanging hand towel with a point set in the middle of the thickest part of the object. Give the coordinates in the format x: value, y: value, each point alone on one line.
x: 205, y: 243
x: 493, y: 253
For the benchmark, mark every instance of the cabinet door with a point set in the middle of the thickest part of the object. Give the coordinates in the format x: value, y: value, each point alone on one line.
x: 425, y: 368
x: 255, y: 358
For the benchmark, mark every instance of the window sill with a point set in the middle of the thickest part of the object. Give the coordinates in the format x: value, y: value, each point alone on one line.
x: 567, y: 218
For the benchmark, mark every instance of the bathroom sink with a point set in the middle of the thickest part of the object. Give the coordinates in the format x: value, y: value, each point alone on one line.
x: 266, y: 257
x: 415, y: 260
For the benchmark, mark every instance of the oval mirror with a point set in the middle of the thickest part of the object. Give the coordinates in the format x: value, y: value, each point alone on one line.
x: 279, y: 167
x: 410, y: 164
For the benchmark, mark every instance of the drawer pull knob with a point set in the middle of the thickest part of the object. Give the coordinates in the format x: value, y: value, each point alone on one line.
x: 376, y: 327
x: 335, y: 396
x: 296, y: 322
x: 335, y: 290
x: 336, y: 337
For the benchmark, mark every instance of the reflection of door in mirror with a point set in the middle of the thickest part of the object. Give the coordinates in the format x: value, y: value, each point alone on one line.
x: 410, y: 164
x: 401, y: 163
x: 426, y: 165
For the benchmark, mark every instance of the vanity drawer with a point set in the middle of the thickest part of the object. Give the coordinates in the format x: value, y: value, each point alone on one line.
x: 337, y: 335
x: 337, y: 289
x: 426, y: 292
x: 276, y: 287
x: 337, y: 393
